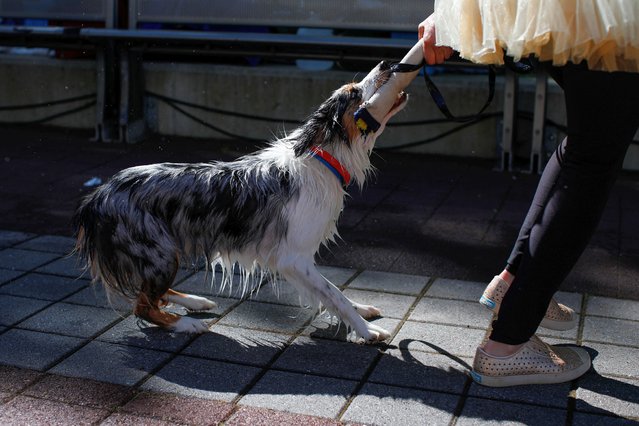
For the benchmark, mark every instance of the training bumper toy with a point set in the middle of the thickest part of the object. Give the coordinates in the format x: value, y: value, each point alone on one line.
x: 371, y: 113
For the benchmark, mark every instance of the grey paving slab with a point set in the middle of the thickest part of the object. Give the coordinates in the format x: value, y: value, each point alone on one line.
x: 445, y: 288
x: 71, y: 320
x: 66, y: 266
x: 455, y: 312
x: 202, y: 378
x: 182, y: 274
x: 488, y: 412
x: 15, y: 309
x: 40, y: 286
x: 613, y: 308
x: 50, y: 243
x: 391, y: 305
x: 202, y: 282
x: 388, y: 405
x: 106, y: 362
x: 280, y: 292
x: 545, y: 396
x: 198, y: 282
x: 38, y: 351
x: 611, y: 330
x: 134, y: 332
x: 439, y: 338
x: 615, y: 360
x: 244, y: 346
x: 585, y: 419
x: 608, y: 395
x: 209, y: 316
x: 10, y: 238
x: 570, y: 299
x: 7, y: 275
x: 390, y: 282
x: 338, y: 276
x: 24, y: 260
x: 422, y: 370
x: 268, y: 317
x: 95, y: 295
x: 329, y: 358
x: 300, y: 393
x: 326, y: 326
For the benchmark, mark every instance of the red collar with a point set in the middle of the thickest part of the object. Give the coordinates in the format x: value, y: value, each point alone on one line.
x: 332, y: 164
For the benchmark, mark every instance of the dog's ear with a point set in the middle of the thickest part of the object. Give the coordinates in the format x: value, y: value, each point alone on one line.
x: 326, y: 124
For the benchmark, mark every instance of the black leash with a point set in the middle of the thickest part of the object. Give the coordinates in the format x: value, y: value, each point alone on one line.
x: 367, y: 123
x: 439, y: 98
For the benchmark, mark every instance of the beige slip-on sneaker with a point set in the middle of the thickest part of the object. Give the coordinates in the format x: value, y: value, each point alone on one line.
x: 534, y: 363
x: 558, y: 317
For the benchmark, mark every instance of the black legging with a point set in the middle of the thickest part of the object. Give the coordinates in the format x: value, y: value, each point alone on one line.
x: 602, y: 117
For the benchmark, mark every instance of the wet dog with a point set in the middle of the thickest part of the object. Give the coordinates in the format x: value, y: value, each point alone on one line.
x: 268, y: 211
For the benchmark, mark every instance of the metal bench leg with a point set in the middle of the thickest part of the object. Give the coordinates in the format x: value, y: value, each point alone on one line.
x: 539, y: 119
x: 132, y: 122
x: 509, y: 120
x: 106, y: 95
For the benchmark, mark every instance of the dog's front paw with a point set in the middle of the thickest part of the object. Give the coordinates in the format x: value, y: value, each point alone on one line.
x: 375, y: 334
x: 190, y: 325
x: 367, y: 311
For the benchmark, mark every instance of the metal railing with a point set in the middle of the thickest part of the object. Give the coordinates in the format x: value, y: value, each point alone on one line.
x: 121, y: 51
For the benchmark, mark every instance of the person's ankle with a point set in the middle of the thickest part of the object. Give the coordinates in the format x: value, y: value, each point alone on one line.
x: 499, y: 349
x: 507, y: 276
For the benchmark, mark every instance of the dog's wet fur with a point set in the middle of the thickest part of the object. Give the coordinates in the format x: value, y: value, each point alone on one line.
x: 268, y: 211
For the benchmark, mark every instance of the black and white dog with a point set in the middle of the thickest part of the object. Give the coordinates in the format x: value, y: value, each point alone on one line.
x: 270, y: 210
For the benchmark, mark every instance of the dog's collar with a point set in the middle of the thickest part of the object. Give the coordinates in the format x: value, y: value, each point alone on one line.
x: 365, y: 122
x: 332, y: 164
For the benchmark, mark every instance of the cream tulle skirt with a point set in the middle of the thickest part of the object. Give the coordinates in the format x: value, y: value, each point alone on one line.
x: 605, y: 33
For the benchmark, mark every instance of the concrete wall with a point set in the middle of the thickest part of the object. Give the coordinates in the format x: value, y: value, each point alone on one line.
x: 286, y: 92
x: 275, y: 91
x: 28, y: 79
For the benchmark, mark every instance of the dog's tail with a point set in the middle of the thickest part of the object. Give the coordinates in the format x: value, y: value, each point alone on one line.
x: 94, y: 233
x: 84, y: 224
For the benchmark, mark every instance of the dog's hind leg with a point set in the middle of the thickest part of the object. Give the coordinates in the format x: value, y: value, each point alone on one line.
x: 189, y: 301
x: 150, y: 299
x: 149, y: 310
x: 302, y: 272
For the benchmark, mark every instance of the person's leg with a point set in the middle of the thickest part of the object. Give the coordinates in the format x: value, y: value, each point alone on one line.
x: 572, y: 193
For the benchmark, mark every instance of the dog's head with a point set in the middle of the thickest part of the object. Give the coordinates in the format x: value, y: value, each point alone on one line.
x: 334, y: 124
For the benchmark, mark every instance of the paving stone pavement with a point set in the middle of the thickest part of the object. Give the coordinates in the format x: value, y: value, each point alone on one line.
x: 67, y: 357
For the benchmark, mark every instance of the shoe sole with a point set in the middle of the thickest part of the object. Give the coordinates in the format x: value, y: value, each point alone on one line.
x: 535, y: 379
x: 545, y: 323
x: 559, y: 325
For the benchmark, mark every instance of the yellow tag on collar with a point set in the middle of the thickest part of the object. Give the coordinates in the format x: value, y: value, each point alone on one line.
x: 361, y: 125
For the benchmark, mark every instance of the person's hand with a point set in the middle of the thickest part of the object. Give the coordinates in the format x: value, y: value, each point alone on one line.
x: 433, y: 54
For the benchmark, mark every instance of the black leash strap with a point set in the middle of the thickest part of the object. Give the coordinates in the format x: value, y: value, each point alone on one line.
x: 439, y: 98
